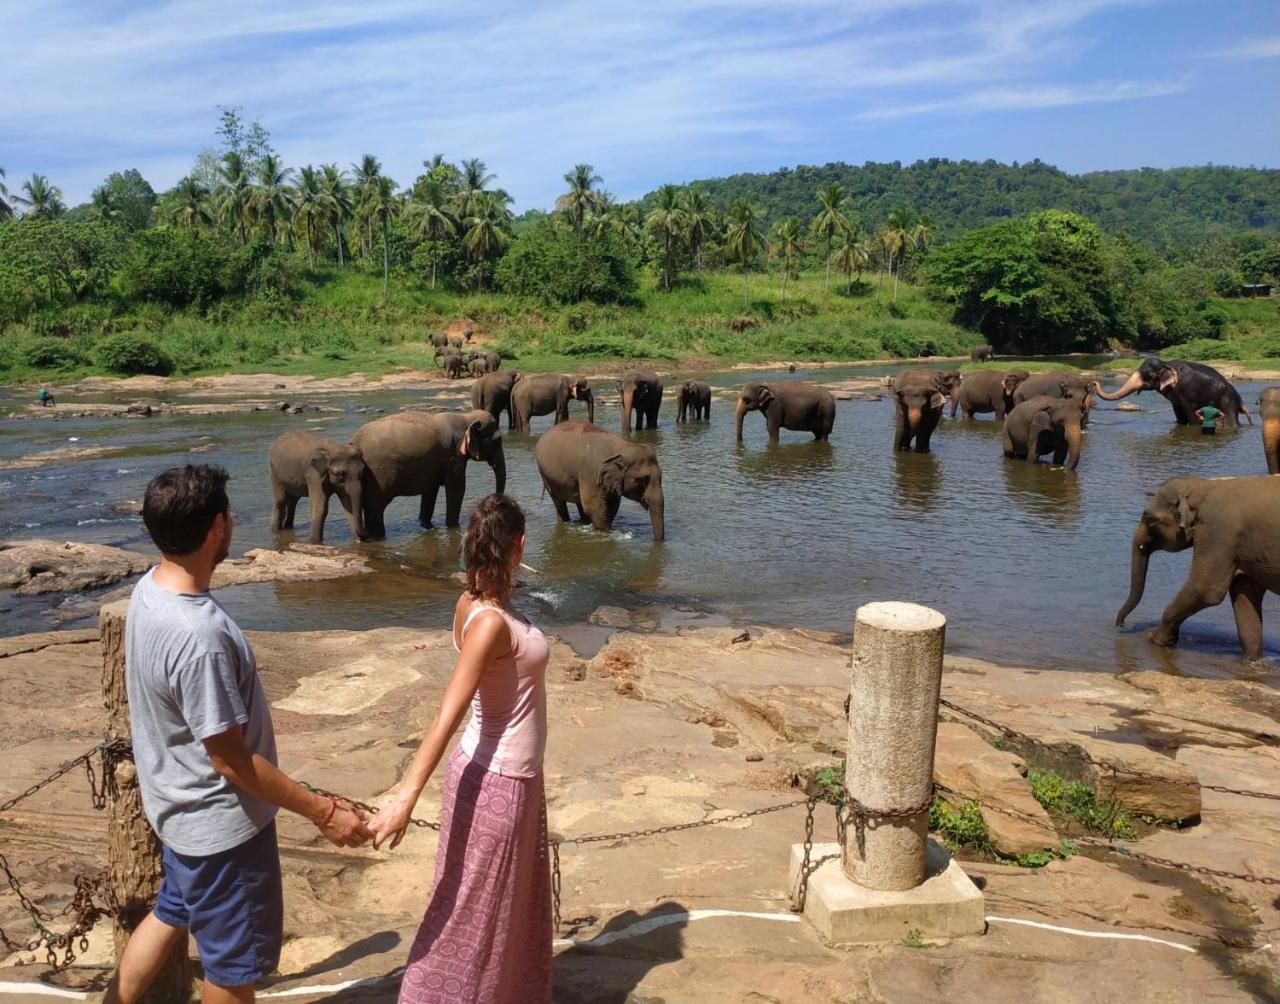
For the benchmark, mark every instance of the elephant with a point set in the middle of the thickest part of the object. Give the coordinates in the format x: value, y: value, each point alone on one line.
x: 789, y: 404
x: 1057, y: 383
x: 595, y: 470
x: 694, y: 399
x: 641, y: 392
x: 456, y: 342
x: 492, y: 393
x: 982, y: 353
x: 920, y: 394
x: 983, y: 392
x: 1269, y: 409
x: 483, y: 361
x: 1045, y: 425
x: 438, y: 341
x: 549, y: 393
x: 1187, y: 386
x: 414, y: 453
x: 1233, y: 524
x: 454, y: 366
x: 302, y: 463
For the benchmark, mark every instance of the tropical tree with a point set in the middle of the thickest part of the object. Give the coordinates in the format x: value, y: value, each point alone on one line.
x: 699, y: 221
x: 103, y: 206
x: 381, y: 204
x: 364, y: 178
x: 42, y: 199
x: 831, y: 220
x: 788, y: 241
x: 899, y: 228
x: 189, y: 204
x: 432, y: 216
x: 337, y: 202
x: 742, y: 240
x: 582, y: 195
x: 6, y: 210
x: 310, y: 209
x: 925, y: 231
x: 272, y: 196
x: 852, y: 254
x: 474, y: 181
x: 666, y: 219
x: 235, y: 194
x: 488, y: 229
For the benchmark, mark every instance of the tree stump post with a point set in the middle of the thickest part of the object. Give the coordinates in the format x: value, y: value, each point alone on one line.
x: 133, y: 852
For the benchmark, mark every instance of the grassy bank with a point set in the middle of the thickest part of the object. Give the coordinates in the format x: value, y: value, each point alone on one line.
x: 1251, y: 339
x: 338, y: 325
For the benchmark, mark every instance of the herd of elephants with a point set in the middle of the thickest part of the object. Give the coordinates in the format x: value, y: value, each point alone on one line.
x: 1232, y: 523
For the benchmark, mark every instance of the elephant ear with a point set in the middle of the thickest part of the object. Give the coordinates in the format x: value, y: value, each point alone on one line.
x: 1040, y: 422
x: 464, y: 450
x: 1184, y: 511
x: 320, y: 460
x: 611, y: 471
x: 766, y: 395
x: 936, y: 400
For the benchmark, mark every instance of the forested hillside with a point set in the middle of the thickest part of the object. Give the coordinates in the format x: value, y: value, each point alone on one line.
x: 1173, y: 209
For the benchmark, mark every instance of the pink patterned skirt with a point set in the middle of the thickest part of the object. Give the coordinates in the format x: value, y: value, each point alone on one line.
x: 486, y: 936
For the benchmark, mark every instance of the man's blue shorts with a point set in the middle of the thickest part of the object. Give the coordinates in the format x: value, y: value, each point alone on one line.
x: 233, y: 904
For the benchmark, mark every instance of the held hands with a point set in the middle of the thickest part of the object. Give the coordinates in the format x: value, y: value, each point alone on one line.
x: 343, y: 825
x: 391, y: 821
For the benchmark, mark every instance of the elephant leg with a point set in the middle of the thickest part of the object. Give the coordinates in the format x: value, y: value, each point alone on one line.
x: 582, y: 515
x: 279, y: 501
x: 1009, y: 449
x: 1246, y: 604
x: 1206, y: 586
x: 773, y: 421
x: 999, y: 413
x: 562, y: 509
x: 455, y: 487
x: 375, y: 523
x: 319, y: 513
x: 427, y: 504
x: 290, y: 508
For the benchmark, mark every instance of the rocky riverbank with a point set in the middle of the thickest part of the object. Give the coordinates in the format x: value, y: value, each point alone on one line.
x: 663, y: 729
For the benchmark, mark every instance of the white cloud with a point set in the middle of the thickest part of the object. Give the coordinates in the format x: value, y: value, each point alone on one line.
x: 1022, y: 98
x: 1256, y: 48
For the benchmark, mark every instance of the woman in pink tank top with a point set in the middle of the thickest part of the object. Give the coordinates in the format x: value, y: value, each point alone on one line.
x: 486, y: 935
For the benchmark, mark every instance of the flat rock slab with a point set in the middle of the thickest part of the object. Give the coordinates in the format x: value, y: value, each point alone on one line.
x: 297, y: 563
x: 37, y: 566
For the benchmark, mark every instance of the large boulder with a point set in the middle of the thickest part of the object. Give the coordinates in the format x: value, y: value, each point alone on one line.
x: 37, y: 566
x: 298, y: 563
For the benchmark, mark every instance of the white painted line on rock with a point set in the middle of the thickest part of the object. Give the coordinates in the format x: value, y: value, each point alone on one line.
x: 666, y: 920
x: 1113, y: 935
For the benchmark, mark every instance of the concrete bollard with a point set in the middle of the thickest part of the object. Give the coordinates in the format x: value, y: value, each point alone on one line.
x: 893, y: 718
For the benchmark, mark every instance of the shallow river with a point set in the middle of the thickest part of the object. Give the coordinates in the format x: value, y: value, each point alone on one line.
x: 1029, y: 564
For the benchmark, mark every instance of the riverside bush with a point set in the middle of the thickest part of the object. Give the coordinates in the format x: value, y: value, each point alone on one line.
x: 49, y: 354
x: 130, y: 353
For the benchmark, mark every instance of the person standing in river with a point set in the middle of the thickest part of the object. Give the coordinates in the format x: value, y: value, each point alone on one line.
x: 205, y: 751
x: 486, y: 935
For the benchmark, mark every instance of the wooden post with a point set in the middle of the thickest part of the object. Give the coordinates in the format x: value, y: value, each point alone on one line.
x: 133, y: 852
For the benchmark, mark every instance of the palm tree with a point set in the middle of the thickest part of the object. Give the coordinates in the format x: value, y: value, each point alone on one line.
x: 881, y: 242
x: 830, y: 220
x: 310, y: 209
x: 364, y: 178
x: 666, y: 219
x: 6, y: 210
x: 853, y: 253
x: 272, y: 199
x: 899, y: 230
x: 924, y: 232
x: 382, y: 204
x: 235, y: 193
x: 488, y: 229
x: 40, y: 197
x: 788, y: 241
x: 699, y: 221
x: 582, y: 194
x: 742, y: 240
x: 630, y: 223
x: 475, y: 180
x: 103, y: 205
x: 435, y: 221
x: 604, y: 218
x: 189, y: 204
x: 337, y: 202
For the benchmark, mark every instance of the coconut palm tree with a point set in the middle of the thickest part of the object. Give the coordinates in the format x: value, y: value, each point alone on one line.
x: 475, y: 180
x: 6, y: 210
x: 40, y: 197
x: 852, y: 254
x: 382, y: 204
x: 310, y: 210
x: 189, y: 204
x: 699, y: 221
x: 433, y: 217
x: 831, y: 220
x: 337, y: 202
x: 582, y: 194
x: 364, y: 177
x: 603, y: 218
x: 488, y: 229
x: 235, y: 194
x: 272, y: 198
x: 788, y: 241
x: 925, y: 231
x: 103, y: 206
x: 899, y: 230
x: 742, y: 240
x: 881, y: 243
x: 666, y: 219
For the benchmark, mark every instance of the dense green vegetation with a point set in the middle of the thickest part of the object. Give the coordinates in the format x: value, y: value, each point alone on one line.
x: 247, y: 264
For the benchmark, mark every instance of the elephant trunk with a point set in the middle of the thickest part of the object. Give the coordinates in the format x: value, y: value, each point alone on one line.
x: 498, y: 461
x: 738, y: 415
x: 1271, y: 443
x: 591, y: 405
x: 1072, y: 435
x: 915, y: 417
x: 1131, y: 386
x: 1137, y: 572
x: 628, y: 399
x: 353, y: 501
x: 656, y: 503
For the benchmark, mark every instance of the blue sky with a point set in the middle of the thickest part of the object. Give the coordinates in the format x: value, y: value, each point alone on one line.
x: 660, y: 90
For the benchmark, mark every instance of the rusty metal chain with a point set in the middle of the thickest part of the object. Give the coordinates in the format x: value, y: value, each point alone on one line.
x: 555, y: 885
x: 66, y: 768
x: 363, y: 806
x: 1012, y: 733
x: 677, y: 827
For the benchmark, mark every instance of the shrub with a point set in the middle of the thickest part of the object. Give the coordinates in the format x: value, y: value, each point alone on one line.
x: 50, y: 354
x: 130, y: 353
x: 558, y: 265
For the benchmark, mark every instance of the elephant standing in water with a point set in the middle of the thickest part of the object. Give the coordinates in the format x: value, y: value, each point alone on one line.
x: 414, y: 453
x: 493, y: 393
x: 548, y: 393
x: 981, y: 353
x: 789, y: 404
x: 694, y: 399
x: 1187, y: 386
x: 1045, y: 425
x: 1234, y: 526
x: 984, y: 392
x: 1057, y: 383
x: 302, y: 463
x: 595, y: 470
x: 641, y: 392
x: 920, y: 394
x: 1269, y: 409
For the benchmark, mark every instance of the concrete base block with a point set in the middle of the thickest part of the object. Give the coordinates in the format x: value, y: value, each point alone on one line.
x: 946, y: 905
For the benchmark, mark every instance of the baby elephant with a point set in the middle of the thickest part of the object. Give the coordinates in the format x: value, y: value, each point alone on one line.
x: 694, y: 398
x: 1045, y: 425
x: 304, y: 464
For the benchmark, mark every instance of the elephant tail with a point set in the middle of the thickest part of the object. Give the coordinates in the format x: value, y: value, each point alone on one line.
x: 1244, y: 410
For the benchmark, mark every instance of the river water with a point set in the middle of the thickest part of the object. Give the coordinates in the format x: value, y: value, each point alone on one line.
x: 1029, y: 564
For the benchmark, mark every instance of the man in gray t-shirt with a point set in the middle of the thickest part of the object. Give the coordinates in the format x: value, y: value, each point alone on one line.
x: 206, y: 757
